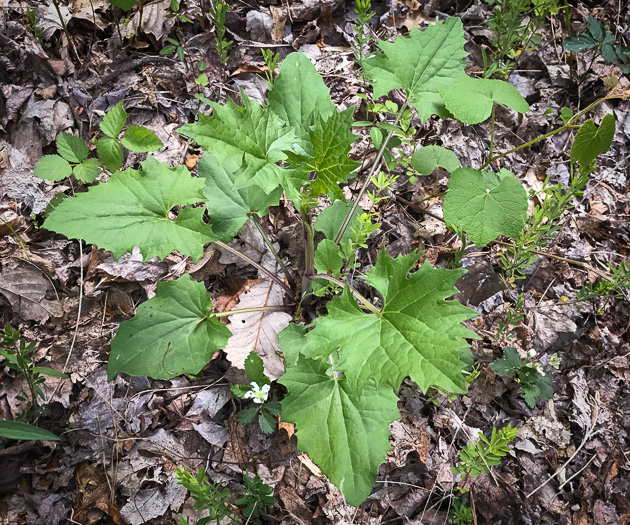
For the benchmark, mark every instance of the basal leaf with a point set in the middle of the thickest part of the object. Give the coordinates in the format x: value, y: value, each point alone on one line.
x: 421, y: 64
x: 111, y: 153
x: 230, y: 208
x: 417, y: 333
x: 52, y: 167
x: 510, y: 365
x: 141, y: 139
x: 299, y: 95
x: 426, y: 160
x: 326, y: 154
x: 18, y: 430
x: 470, y: 100
x: 591, y: 141
x: 345, y: 431
x: 132, y: 209
x: 88, y: 170
x: 255, y: 135
x: 328, y: 258
x: 71, y: 148
x: 485, y: 204
x: 173, y: 333
x: 114, y: 120
x: 577, y: 43
x: 329, y: 221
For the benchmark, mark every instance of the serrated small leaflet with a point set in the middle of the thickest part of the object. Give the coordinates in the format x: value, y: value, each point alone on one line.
x: 132, y: 209
x: 111, y: 153
x: 52, y: 167
x: 141, y: 139
x: 71, y: 148
x: 87, y: 171
x: 114, y: 120
x: 172, y: 333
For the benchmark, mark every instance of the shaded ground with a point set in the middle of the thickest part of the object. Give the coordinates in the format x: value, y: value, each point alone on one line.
x: 122, y: 440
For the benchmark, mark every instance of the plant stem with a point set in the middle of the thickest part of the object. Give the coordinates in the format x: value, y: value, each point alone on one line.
x: 276, y: 308
x: 65, y: 30
x: 568, y: 125
x: 356, y: 294
x: 285, y: 270
x: 251, y: 261
x: 374, y: 167
x: 492, y: 132
x: 309, y: 251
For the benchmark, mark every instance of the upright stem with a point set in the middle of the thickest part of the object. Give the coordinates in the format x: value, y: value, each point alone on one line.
x: 356, y: 294
x: 309, y: 251
x: 492, y: 132
x: 374, y: 167
x: 251, y: 261
x: 269, y: 244
x: 65, y: 30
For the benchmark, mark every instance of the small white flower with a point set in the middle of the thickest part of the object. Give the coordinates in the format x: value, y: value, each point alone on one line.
x: 258, y: 394
x: 531, y: 353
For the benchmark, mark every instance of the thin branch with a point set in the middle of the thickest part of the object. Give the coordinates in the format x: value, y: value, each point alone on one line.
x: 365, y: 302
x: 275, y: 308
x: 269, y: 244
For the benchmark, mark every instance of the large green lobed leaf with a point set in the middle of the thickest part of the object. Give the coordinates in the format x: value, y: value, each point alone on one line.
x: 132, y: 209
x: 346, y: 432
x: 173, y: 333
x: 417, y: 333
x: 421, y: 64
x: 485, y: 204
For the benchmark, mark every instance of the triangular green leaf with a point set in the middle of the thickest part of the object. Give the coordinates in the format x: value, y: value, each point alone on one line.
x: 132, y: 209
x: 52, y: 167
x: 87, y: 171
x: 470, y: 99
x: 114, y: 120
x: 591, y: 141
x: 71, y: 148
x: 111, y: 153
x: 420, y: 64
x: 485, y: 204
x: 326, y: 154
x: 346, y: 432
x: 299, y: 95
x: 255, y: 135
x: 417, y: 333
x: 328, y: 258
x: 141, y: 139
x: 173, y: 333
x: 231, y: 208
x: 18, y: 430
x: 329, y: 221
x: 426, y: 160
x: 255, y: 368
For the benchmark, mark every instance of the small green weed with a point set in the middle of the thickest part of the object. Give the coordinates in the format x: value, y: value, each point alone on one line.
x: 477, y: 457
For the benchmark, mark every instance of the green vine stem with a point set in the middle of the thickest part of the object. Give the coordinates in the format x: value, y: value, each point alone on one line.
x: 365, y: 302
x: 375, y: 165
x: 251, y: 261
x: 309, y: 251
x: 276, y: 308
x: 285, y: 270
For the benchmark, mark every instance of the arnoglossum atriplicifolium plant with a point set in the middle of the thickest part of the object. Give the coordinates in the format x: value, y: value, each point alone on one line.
x: 343, y: 369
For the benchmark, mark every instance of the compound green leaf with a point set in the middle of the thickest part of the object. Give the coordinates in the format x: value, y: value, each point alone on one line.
x: 485, y: 204
x: 421, y: 64
x: 111, y: 153
x: 141, y: 139
x: 326, y: 154
x: 591, y: 141
x: 52, y: 167
x: 10, y: 429
x: 255, y: 135
x: 510, y: 365
x: 173, y: 333
x: 470, y: 100
x: 132, y: 209
x: 299, y: 95
x: 71, y: 148
x: 114, y: 120
x: 426, y: 160
x: 417, y: 333
x: 229, y: 207
x: 346, y: 432
x: 88, y: 170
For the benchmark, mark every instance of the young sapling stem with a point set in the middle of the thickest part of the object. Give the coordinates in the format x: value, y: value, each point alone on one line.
x: 251, y: 261
x: 285, y: 270
x: 365, y: 302
x: 492, y: 132
x: 309, y: 251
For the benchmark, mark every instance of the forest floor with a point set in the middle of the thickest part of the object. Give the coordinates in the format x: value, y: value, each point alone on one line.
x: 121, y: 440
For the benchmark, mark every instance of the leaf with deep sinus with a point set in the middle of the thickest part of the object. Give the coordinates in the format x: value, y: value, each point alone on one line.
x: 421, y: 64
x: 470, y: 100
x: 485, y: 204
x: 254, y: 134
x: 230, y: 208
x: 299, y: 95
x: 591, y: 141
x: 425, y: 160
x: 417, y: 333
x: 173, y: 333
x: 132, y: 209
x: 326, y: 154
x: 345, y: 431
